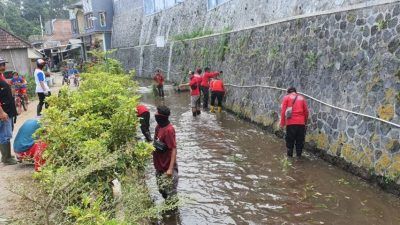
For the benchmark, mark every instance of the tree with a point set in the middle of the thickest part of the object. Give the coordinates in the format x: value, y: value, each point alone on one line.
x: 12, y: 20
x: 21, y: 17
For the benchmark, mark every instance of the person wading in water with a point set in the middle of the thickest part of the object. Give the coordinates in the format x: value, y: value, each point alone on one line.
x: 294, y: 116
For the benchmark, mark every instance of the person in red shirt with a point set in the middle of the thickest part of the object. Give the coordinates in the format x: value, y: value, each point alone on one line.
x: 205, y: 85
x: 164, y: 157
x: 194, y: 85
x: 159, y: 79
x: 294, y: 116
x: 217, y: 92
x: 143, y: 114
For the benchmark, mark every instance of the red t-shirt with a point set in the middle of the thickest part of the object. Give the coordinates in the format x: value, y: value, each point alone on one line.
x: 166, y: 134
x: 218, y: 85
x: 141, y: 109
x: 206, y: 78
x: 195, y: 81
x: 159, y: 78
x: 299, y: 113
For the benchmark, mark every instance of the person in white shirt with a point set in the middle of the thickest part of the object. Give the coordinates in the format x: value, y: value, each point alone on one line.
x: 42, y: 89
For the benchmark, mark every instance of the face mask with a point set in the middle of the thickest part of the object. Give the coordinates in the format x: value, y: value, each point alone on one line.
x: 161, y: 120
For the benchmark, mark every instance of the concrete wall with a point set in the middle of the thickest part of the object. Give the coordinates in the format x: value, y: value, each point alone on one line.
x: 193, y: 14
x: 18, y: 60
x: 348, y: 58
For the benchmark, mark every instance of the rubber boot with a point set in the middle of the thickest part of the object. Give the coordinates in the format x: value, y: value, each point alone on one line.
x: 212, y: 110
x: 219, y: 109
x: 198, y: 112
x: 194, y: 114
x: 290, y: 153
x: 299, y: 152
x: 6, y: 158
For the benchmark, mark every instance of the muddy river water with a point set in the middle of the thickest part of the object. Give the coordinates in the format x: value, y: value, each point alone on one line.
x: 232, y: 172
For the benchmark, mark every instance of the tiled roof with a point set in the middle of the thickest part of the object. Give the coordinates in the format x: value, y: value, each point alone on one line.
x: 10, y: 41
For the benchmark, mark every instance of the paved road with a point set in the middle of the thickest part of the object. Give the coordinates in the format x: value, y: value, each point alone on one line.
x: 9, y: 206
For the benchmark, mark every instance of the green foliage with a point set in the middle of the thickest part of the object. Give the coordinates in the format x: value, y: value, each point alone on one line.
x: 223, y: 47
x: 382, y: 24
x: 205, y: 56
x: 31, y: 86
x: 286, y: 164
x: 351, y: 17
x: 273, y: 53
x: 199, y: 32
x: 21, y: 17
x: 90, y: 142
x: 312, y: 59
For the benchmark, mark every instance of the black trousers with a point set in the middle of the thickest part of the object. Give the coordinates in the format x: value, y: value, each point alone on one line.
x: 145, y: 125
x: 160, y: 89
x: 295, y: 136
x: 219, y: 95
x: 206, y: 96
x: 42, y: 102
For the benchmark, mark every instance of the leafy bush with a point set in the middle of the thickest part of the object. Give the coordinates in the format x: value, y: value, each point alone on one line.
x: 31, y: 86
x: 90, y: 136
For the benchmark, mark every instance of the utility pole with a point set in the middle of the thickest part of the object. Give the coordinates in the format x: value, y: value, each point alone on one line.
x: 41, y: 25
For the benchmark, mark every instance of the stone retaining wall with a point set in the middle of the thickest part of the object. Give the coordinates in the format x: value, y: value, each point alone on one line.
x: 349, y: 59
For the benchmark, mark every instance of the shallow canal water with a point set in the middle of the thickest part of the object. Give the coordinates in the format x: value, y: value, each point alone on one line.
x: 231, y: 172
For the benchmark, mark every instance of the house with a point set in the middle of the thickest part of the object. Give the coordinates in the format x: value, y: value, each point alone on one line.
x: 91, y: 21
x: 18, y: 52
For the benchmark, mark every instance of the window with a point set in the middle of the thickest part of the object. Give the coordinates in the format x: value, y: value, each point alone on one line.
x: 149, y: 7
x: 102, y: 16
x: 214, y: 3
x: 159, y: 5
x: 153, y: 6
x: 89, y: 21
x: 75, y: 28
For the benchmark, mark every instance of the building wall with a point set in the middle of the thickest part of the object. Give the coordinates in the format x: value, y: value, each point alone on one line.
x: 60, y: 30
x: 193, y: 15
x: 102, y: 6
x: 81, y: 21
x: 18, y: 60
x: 349, y: 58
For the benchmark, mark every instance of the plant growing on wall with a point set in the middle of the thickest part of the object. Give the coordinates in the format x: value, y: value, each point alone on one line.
x: 311, y: 59
x: 198, y: 32
x: 223, y: 47
x: 382, y: 24
x: 273, y: 53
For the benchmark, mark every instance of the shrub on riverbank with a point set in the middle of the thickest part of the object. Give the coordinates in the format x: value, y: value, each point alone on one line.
x: 91, y: 141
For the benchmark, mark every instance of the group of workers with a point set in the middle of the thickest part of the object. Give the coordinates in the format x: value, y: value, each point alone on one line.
x: 200, y: 84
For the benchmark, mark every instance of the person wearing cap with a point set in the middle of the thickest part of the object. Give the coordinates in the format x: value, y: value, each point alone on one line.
x: 42, y: 89
x: 294, y: 116
x: 143, y: 115
x: 164, y: 157
x: 7, y: 113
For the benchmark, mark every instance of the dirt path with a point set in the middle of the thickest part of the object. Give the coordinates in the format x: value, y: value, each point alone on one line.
x: 9, y: 201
